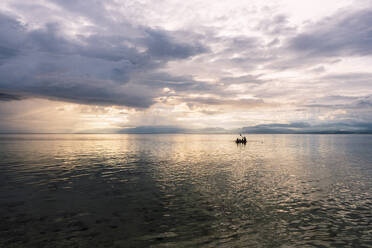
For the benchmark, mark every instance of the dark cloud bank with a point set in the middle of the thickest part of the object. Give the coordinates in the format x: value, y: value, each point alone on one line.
x: 121, y: 66
x: 99, y: 69
x: 345, y: 34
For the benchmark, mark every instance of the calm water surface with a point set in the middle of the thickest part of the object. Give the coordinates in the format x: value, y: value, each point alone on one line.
x: 185, y: 191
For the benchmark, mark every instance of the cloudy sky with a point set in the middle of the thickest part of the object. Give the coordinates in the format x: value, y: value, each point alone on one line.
x: 105, y: 66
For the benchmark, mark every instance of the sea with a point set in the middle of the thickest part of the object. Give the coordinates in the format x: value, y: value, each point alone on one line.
x: 185, y: 190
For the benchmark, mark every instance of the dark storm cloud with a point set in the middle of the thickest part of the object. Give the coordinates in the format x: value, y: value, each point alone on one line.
x: 10, y: 39
x: 9, y: 97
x: 6, y: 53
x: 344, y: 34
x: 161, y: 46
x: 91, y: 69
x: 91, y: 91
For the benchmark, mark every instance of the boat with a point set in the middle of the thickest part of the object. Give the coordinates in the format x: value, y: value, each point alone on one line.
x: 242, y: 140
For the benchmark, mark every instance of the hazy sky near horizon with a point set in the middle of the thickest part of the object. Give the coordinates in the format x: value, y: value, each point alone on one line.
x: 75, y: 65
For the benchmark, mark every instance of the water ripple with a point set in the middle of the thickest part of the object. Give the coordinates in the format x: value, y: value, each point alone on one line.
x: 185, y: 191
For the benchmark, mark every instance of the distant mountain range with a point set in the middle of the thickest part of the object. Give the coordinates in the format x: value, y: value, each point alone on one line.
x: 276, y: 128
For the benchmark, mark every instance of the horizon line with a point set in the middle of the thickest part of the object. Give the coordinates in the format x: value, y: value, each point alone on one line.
x: 219, y: 133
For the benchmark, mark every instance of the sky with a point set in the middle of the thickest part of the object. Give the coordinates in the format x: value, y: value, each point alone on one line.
x: 121, y: 66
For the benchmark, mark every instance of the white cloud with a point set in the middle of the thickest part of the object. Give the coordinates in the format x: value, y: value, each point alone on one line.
x: 158, y: 58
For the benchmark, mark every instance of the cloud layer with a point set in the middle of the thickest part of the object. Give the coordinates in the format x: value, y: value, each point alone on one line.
x: 99, y: 69
x: 198, y: 64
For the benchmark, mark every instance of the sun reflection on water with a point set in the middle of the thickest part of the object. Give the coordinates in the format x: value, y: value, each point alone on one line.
x: 186, y: 190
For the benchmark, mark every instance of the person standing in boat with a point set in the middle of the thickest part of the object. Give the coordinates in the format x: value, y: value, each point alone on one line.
x: 243, y: 139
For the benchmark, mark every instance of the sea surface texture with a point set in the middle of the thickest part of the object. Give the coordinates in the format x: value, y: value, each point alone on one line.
x: 185, y: 191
